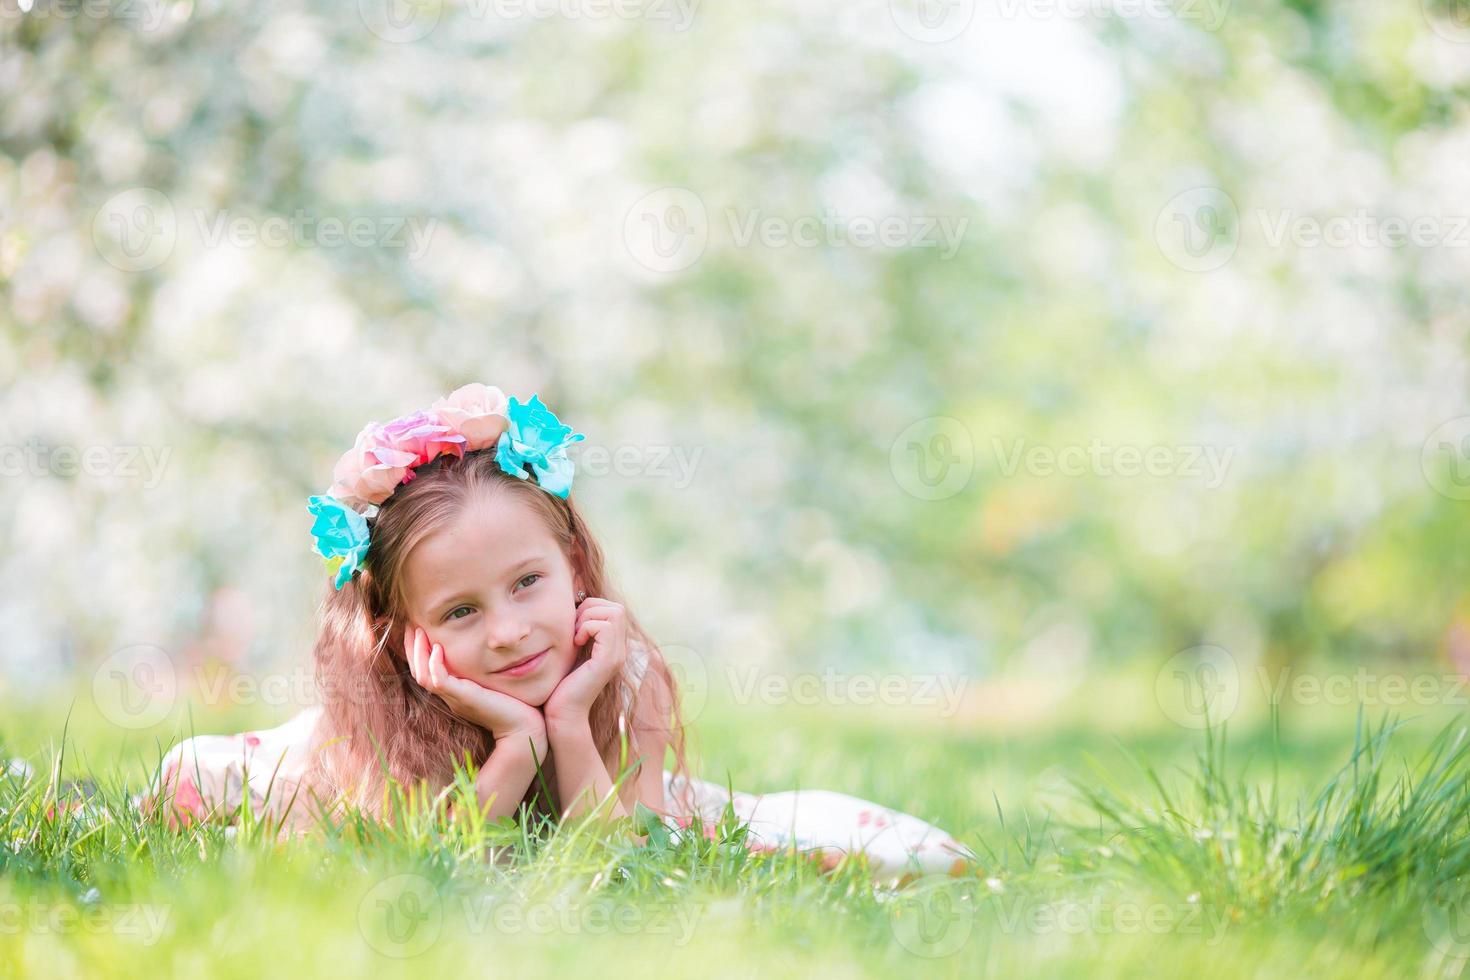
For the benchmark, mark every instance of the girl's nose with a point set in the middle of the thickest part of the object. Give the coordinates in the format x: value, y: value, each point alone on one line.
x: 508, y: 632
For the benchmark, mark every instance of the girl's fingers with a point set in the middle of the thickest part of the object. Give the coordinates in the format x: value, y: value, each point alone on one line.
x: 594, y: 624
x: 444, y: 681
x: 444, y: 670
x: 583, y: 623
x: 410, y: 653
x: 423, y: 651
x: 595, y: 614
x: 420, y: 660
x: 448, y: 684
x: 604, y: 657
x: 585, y: 612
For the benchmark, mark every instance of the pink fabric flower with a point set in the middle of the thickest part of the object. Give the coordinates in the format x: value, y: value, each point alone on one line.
x: 425, y: 435
x: 475, y: 411
x: 385, y: 455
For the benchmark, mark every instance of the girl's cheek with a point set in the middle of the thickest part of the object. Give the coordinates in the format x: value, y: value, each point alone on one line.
x: 568, y: 662
x: 456, y: 660
x: 565, y: 672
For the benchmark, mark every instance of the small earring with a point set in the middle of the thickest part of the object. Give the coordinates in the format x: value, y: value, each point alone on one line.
x: 580, y: 596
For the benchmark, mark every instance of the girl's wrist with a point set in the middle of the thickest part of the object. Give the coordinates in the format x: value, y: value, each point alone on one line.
x: 505, y: 776
x: 528, y: 740
x: 529, y: 722
x: 562, y: 728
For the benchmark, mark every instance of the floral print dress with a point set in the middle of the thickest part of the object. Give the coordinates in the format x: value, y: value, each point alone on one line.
x: 210, y: 775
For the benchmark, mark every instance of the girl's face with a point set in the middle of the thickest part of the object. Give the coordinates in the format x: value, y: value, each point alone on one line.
x: 494, y: 589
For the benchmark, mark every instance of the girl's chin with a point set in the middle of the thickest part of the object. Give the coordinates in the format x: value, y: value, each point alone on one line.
x: 534, y: 690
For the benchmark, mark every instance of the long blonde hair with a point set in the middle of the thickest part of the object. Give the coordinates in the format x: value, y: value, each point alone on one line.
x: 377, y: 722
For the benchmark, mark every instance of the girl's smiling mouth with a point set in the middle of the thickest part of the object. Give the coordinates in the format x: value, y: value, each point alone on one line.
x: 524, y: 666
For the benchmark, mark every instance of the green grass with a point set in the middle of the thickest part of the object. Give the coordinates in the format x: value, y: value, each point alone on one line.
x: 1335, y: 843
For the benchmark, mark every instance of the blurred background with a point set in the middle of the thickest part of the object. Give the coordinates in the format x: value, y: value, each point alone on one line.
x: 1085, y: 356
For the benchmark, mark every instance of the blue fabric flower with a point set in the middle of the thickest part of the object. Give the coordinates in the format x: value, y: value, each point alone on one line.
x: 536, y: 438
x: 341, y: 536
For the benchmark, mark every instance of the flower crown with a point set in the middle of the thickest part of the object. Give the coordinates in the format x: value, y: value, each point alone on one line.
x: 473, y: 417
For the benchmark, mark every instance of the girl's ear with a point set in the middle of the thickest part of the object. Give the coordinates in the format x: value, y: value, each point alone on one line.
x: 576, y: 563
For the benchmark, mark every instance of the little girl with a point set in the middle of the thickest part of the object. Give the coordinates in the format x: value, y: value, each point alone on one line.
x: 470, y: 615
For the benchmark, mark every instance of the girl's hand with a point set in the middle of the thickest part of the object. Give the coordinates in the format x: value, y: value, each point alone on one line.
x: 607, y: 624
x: 506, y: 717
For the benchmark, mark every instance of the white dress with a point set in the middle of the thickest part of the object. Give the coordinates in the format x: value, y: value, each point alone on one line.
x: 205, y: 776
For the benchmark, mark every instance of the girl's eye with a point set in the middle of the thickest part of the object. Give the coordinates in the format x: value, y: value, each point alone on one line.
x: 452, y: 616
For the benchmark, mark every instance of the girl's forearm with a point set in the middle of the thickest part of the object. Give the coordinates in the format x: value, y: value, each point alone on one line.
x: 506, y: 776
x: 582, y: 779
